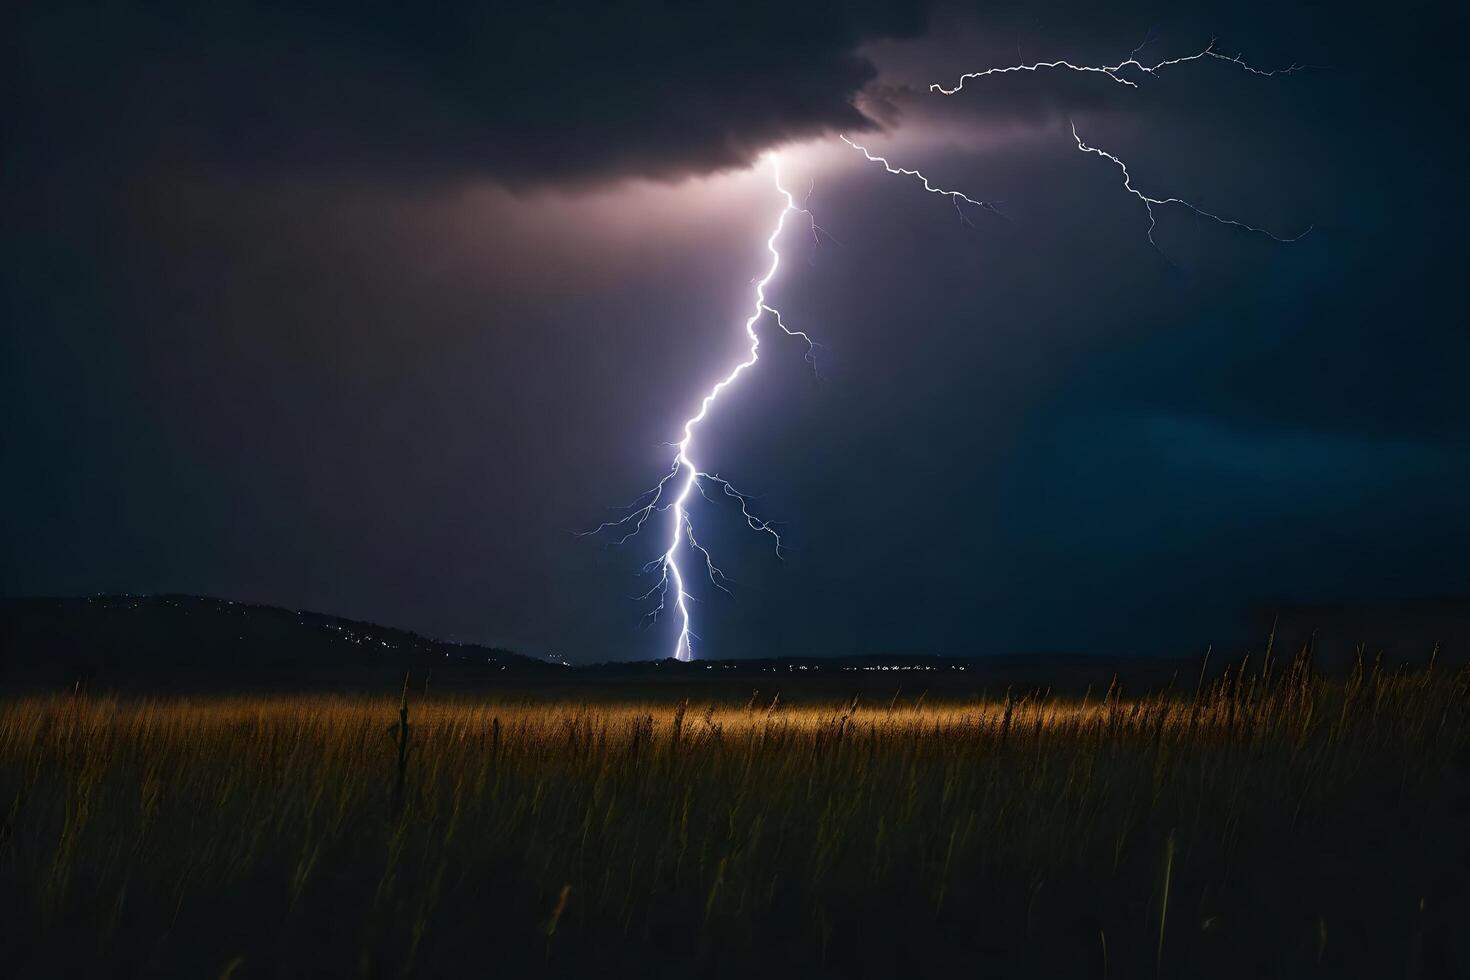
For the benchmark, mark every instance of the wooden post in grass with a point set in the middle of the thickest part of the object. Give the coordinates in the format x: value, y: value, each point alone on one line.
x: 402, y: 742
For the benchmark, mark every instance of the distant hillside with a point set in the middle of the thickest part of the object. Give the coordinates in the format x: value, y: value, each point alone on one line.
x: 184, y: 643
x: 176, y: 643
x: 192, y: 644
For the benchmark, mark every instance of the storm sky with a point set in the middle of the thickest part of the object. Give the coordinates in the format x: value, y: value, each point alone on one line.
x: 366, y: 308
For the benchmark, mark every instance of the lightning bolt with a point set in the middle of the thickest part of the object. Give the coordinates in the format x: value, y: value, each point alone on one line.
x: 1115, y: 72
x: 685, y: 476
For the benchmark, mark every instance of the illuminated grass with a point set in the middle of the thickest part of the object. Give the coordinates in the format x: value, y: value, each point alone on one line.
x: 181, y: 836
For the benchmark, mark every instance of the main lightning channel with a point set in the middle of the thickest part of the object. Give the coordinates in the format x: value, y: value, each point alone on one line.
x: 685, y: 476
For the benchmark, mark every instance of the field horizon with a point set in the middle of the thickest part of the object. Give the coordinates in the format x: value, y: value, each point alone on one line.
x: 169, y: 643
x: 1271, y: 821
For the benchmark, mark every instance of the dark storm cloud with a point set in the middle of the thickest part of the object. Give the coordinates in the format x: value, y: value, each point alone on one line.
x: 527, y: 93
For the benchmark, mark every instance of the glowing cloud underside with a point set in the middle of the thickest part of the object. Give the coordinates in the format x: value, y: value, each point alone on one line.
x: 674, y: 493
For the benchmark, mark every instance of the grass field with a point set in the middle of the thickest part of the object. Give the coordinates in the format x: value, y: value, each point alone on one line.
x: 1271, y: 824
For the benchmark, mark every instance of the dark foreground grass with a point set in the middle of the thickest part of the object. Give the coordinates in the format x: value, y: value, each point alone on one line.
x: 1266, y: 826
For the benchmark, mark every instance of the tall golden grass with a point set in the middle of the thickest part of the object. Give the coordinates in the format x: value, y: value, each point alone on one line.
x: 1282, y: 825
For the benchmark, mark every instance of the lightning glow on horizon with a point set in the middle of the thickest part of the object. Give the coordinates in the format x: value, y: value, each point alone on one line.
x: 685, y: 476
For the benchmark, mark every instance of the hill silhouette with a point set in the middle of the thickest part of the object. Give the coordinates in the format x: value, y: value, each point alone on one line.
x: 193, y: 643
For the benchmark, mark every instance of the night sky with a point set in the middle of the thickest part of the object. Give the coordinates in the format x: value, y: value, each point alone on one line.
x: 366, y: 308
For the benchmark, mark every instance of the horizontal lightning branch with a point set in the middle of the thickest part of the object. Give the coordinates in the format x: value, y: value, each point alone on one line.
x: 1116, y: 72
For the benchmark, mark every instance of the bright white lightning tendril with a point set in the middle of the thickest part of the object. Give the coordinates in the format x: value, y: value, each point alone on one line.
x: 1115, y: 71
x: 1149, y: 202
x: 954, y: 196
x: 685, y: 476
